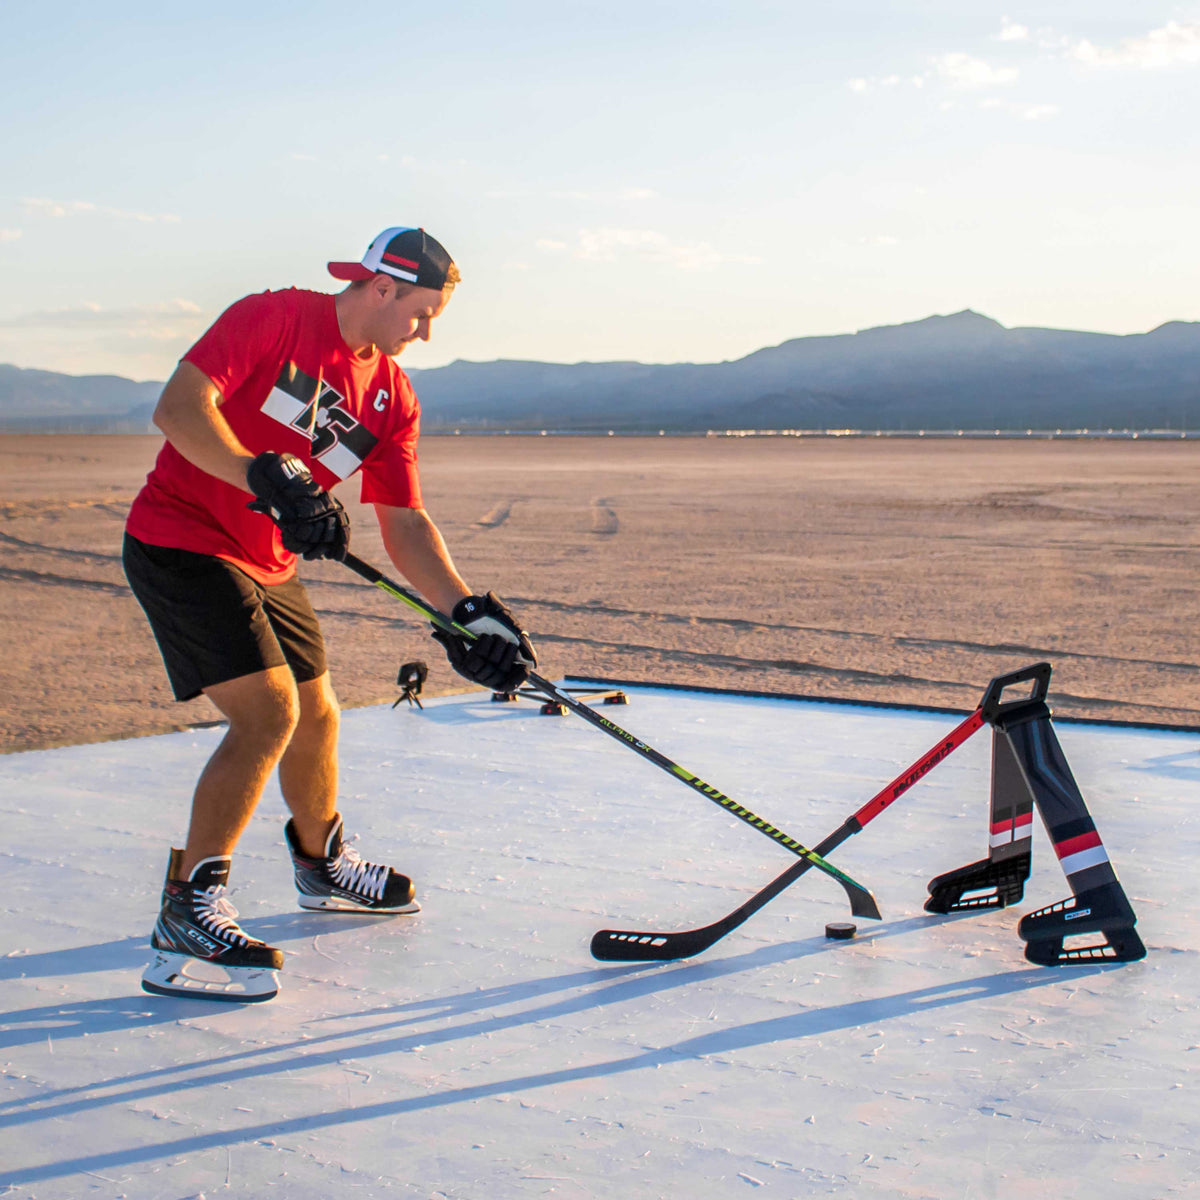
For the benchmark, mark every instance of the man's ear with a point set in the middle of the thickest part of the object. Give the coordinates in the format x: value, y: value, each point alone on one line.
x: 381, y: 288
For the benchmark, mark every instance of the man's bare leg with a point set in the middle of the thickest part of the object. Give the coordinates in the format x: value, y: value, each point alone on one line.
x: 340, y: 881
x: 262, y: 710
x: 308, y: 770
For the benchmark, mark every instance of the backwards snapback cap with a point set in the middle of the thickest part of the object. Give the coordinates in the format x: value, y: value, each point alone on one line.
x: 408, y: 254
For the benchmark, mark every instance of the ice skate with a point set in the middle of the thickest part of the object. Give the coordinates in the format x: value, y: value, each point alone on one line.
x: 200, y: 951
x: 342, y: 882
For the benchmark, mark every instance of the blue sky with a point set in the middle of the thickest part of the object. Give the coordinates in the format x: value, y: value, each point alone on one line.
x: 658, y: 181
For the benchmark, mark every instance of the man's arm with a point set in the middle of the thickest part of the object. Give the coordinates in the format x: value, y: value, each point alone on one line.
x: 189, y: 414
x: 414, y: 544
x: 500, y: 655
x: 310, y: 520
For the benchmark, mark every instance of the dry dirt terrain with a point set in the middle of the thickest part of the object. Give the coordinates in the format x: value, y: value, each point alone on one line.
x: 884, y: 570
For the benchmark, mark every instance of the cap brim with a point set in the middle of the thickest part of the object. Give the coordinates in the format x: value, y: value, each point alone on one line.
x: 349, y: 270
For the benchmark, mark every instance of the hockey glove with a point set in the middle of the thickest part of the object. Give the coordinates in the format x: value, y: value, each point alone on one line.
x: 500, y: 656
x: 310, y: 520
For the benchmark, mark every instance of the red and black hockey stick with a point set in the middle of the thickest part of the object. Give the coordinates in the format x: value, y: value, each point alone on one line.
x: 862, y: 903
x: 617, y: 945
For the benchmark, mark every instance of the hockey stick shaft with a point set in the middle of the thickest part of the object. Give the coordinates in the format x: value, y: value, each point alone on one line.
x: 862, y: 903
x: 635, y: 946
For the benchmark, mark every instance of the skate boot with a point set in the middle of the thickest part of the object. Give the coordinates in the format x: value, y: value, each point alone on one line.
x: 199, y: 949
x: 342, y: 882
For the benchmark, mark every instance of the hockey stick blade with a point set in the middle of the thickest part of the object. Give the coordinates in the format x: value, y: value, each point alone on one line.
x: 862, y: 903
x: 628, y: 945
x: 620, y: 945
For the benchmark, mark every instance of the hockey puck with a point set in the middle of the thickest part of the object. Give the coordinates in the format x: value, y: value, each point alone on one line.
x: 842, y: 931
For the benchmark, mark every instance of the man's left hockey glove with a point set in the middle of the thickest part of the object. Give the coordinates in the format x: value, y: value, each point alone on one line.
x: 311, y: 521
x: 501, y: 655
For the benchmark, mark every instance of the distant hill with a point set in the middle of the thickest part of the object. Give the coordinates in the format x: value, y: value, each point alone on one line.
x: 48, y: 400
x: 963, y: 371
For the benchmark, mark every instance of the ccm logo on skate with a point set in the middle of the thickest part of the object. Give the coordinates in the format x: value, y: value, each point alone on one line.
x: 1074, y: 916
x: 200, y: 939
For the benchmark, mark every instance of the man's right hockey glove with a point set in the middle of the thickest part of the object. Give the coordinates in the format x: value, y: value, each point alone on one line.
x: 501, y: 655
x: 311, y: 521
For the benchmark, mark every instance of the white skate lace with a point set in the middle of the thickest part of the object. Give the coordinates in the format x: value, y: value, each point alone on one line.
x: 349, y: 871
x: 218, y: 915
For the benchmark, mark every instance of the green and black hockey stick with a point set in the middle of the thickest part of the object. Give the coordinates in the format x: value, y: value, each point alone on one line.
x: 862, y: 903
x: 631, y: 945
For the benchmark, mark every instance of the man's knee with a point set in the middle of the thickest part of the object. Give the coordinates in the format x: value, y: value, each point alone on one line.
x: 263, y: 708
x: 320, y: 713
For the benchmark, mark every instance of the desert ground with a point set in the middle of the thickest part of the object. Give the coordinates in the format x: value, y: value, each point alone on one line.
x: 907, y: 571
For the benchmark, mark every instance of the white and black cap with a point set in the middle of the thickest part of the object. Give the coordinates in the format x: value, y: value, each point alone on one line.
x: 407, y: 254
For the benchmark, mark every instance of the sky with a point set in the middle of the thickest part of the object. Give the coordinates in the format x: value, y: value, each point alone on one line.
x: 661, y: 181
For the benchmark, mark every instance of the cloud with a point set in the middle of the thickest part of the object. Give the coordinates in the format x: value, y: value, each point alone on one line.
x: 10, y: 235
x: 599, y: 197
x: 646, y: 245
x: 1172, y: 45
x: 432, y: 166
x: 885, y: 81
x: 1035, y: 112
x: 164, y: 320
x: 965, y: 71
x: 956, y: 70
x: 1010, y: 31
x: 40, y: 206
x: 1022, y: 109
x: 53, y: 208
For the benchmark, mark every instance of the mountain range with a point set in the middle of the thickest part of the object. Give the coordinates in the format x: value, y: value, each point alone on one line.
x: 962, y: 371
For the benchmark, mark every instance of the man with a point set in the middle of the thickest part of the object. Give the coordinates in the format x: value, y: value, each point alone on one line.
x: 285, y: 396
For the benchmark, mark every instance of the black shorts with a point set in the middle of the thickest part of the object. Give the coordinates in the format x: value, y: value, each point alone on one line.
x: 213, y: 623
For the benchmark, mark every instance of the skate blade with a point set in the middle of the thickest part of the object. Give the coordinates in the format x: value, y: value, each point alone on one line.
x: 339, y: 904
x: 182, y: 975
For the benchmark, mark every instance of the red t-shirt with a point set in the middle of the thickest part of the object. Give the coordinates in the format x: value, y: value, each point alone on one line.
x: 290, y: 384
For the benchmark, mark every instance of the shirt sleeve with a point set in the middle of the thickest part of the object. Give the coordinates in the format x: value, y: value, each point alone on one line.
x: 390, y: 475
x: 247, y: 332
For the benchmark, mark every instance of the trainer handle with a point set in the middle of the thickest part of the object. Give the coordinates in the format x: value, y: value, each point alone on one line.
x: 1038, y: 673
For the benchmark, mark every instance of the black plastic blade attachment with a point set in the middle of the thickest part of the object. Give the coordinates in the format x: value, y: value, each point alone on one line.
x: 1103, y: 910
x: 983, y: 884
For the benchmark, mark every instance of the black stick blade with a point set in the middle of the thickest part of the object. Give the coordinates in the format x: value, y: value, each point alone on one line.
x: 627, y: 945
x: 862, y: 903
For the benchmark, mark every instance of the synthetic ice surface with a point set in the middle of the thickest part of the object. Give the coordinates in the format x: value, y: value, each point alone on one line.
x: 477, y: 1051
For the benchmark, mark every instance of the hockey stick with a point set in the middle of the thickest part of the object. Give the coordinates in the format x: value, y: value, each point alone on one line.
x: 862, y: 903
x: 617, y: 945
